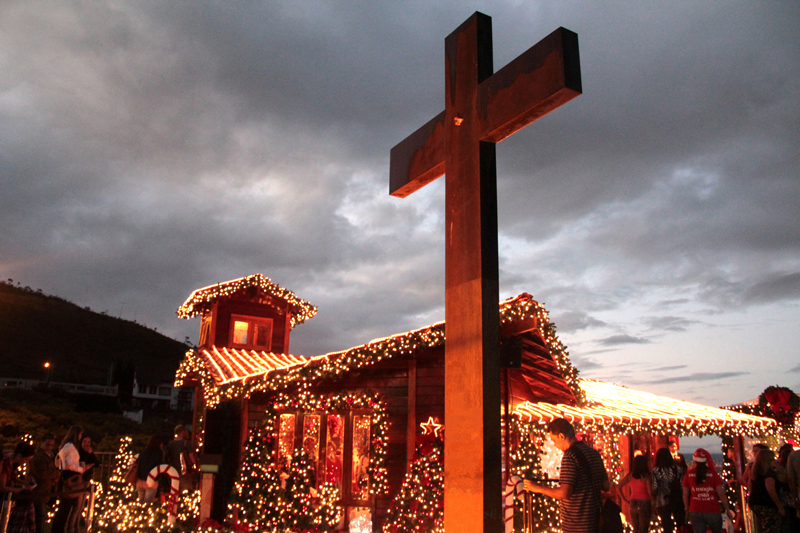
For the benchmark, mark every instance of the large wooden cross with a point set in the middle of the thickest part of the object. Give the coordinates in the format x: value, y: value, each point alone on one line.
x: 481, y: 109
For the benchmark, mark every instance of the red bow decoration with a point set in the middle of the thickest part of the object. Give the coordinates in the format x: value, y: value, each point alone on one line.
x: 778, y: 399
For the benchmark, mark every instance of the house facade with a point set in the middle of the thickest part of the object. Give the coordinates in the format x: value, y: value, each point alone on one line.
x: 355, y: 415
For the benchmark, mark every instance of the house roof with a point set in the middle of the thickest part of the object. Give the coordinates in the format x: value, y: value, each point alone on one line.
x: 202, y: 298
x: 613, y: 405
x: 545, y: 375
x: 233, y: 374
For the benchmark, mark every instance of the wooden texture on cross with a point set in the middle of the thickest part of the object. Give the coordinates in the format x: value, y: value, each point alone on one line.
x: 481, y: 109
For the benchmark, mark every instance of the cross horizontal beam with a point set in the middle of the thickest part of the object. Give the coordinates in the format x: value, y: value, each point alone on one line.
x: 547, y: 75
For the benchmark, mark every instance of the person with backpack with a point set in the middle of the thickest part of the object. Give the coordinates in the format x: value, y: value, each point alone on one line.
x: 667, y: 491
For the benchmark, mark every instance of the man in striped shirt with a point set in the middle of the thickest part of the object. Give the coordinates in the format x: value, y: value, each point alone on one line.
x: 582, y: 477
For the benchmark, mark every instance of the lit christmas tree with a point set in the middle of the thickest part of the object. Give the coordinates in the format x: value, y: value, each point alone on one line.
x: 265, y: 500
x: 419, y: 505
x: 299, y: 510
x: 255, y: 499
x: 119, y: 509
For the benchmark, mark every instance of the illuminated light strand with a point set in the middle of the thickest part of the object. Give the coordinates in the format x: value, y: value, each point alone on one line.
x: 419, y: 504
x: 200, y: 298
x: 119, y: 510
x: 613, y: 406
x: 218, y: 384
x: 262, y: 503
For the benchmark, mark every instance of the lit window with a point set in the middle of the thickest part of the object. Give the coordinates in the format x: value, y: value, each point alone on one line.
x: 252, y: 333
x: 240, y: 332
x: 333, y: 451
x: 286, y: 436
x: 311, y: 435
x: 360, y: 487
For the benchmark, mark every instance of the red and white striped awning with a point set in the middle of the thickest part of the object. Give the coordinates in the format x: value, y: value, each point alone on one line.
x: 229, y: 364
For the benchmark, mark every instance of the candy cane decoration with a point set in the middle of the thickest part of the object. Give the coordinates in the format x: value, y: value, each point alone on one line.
x: 174, y: 483
x: 514, y: 489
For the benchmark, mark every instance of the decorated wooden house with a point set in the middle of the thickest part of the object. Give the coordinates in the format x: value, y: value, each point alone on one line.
x: 351, y: 419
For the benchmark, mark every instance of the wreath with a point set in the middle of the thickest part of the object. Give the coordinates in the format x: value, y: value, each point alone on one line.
x: 780, y: 403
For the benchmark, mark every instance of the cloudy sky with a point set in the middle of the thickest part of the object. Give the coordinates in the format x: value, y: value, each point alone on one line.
x: 151, y: 148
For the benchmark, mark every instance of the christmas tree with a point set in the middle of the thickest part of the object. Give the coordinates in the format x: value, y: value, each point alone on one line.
x: 419, y: 505
x: 255, y: 501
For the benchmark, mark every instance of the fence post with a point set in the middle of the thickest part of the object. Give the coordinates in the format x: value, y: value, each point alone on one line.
x: 90, y: 511
x: 6, y: 512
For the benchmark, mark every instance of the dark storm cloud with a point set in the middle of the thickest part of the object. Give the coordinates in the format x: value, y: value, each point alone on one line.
x: 777, y: 287
x: 666, y: 368
x: 617, y: 340
x: 152, y: 148
x: 699, y: 376
x: 668, y: 323
x: 575, y: 321
x: 586, y: 363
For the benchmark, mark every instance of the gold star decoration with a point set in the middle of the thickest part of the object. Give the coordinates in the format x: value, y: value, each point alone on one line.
x: 431, y: 427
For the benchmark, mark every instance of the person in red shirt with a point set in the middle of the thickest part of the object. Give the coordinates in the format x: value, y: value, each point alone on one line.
x: 702, y: 494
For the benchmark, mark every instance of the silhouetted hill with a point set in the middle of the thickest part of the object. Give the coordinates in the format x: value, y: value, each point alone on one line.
x: 81, y: 345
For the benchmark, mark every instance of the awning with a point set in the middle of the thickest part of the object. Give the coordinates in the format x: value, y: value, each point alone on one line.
x: 229, y: 364
x: 612, y: 405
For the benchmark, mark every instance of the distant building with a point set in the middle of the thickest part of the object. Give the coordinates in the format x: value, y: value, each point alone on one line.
x: 74, y: 388
x: 162, y: 396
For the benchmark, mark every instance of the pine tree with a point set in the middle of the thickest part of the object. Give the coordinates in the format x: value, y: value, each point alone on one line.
x: 419, y: 505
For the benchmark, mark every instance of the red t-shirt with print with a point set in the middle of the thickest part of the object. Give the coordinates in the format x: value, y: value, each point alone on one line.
x: 703, y: 497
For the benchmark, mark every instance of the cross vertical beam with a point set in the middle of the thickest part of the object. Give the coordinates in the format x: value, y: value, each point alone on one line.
x: 472, y: 461
x: 481, y: 109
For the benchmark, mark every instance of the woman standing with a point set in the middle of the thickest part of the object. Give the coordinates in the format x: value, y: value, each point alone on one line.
x: 702, y: 494
x: 88, y: 459
x: 640, y: 483
x: 22, y: 517
x: 151, y: 457
x: 71, y: 466
x: 667, y: 477
x: 764, y: 499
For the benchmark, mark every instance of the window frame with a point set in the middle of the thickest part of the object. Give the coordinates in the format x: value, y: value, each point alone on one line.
x: 346, y: 499
x: 252, y: 322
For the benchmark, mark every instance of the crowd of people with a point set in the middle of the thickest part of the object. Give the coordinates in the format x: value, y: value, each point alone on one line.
x: 686, y: 498
x: 64, y: 475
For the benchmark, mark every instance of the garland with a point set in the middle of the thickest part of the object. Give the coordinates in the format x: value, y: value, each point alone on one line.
x: 200, y: 299
x: 522, y: 307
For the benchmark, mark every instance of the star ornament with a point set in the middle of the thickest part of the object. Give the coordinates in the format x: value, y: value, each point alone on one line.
x: 431, y: 427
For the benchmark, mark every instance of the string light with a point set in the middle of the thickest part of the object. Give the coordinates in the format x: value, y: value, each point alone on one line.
x: 264, y: 500
x: 602, y: 411
x: 215, y: 371
x: 612, y: 409
x: 419, y: 504
x: 201, y: 299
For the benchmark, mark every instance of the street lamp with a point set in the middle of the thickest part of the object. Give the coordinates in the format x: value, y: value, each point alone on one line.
x: 47, y: 373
